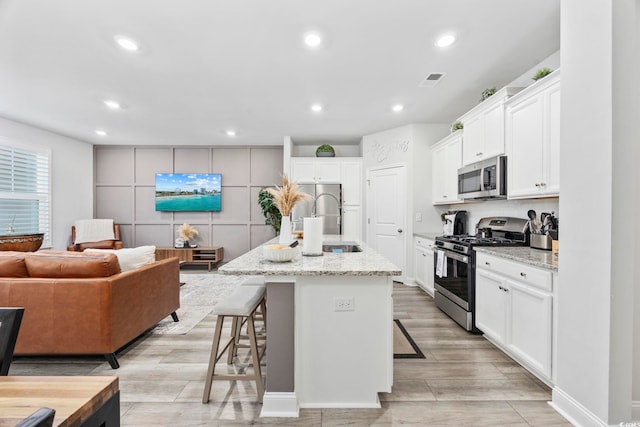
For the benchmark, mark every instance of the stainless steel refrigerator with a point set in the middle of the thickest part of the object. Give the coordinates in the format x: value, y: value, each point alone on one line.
x: 325, y: 203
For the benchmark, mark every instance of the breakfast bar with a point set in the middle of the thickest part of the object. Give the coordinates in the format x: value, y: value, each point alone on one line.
x: 330, y: 335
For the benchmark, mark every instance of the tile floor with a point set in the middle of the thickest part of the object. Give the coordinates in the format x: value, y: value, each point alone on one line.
x: 464, y: 380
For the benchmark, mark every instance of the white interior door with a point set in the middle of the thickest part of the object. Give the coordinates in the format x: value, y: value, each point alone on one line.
x: 386, y: 207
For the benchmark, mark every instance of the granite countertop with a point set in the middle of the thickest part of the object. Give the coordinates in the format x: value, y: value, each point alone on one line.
x: 428, y: 235
x: 525, y: 255
x: 365, y: 263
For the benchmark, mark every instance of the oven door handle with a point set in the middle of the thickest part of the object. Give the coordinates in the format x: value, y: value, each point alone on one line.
x: 457, y: 257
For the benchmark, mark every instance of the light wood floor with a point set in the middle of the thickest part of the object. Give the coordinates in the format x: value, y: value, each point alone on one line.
x: 464, y: 380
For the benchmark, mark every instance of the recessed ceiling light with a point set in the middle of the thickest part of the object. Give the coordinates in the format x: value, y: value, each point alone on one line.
x: 316, y: 108
x: 127, y: 43
x: 445, y: 40
x: 312, y: 39
x: 397, y: 107
x: 114, y: 105
x: 101, y: 132
x: 231, y: 132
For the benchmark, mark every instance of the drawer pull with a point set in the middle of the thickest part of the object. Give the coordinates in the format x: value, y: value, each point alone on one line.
x: 523, y: 274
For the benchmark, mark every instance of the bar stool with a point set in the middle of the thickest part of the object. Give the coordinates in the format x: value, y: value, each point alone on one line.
x: 260, y: 315
x: 241, y: 307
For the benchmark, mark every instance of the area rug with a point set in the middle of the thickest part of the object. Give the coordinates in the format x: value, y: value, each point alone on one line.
x: 404, y: 347
x: 198, y: 295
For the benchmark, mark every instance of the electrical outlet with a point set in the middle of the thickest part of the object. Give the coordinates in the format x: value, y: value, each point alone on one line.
x: 343, y: 304
x: 418, y: 216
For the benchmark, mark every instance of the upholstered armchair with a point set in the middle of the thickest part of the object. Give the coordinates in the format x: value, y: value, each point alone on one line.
x: 80, y: 244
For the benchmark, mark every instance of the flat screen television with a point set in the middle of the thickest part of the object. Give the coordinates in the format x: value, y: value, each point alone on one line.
x: 189, y: 192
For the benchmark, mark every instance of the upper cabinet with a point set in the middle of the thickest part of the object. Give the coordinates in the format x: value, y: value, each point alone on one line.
x: 533, y: 140
x: 484, y: 127
x: 316, y: 170
x: 351, y: 176
x: 446, y: 159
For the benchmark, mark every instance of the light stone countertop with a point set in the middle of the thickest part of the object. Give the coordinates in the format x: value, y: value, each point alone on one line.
x: 427, y: 235
x: 365, y: 263
x: 524, y: 254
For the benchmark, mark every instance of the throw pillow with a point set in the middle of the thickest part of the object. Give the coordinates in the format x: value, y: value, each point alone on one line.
x: 131, y: 258
x: 12, y: 264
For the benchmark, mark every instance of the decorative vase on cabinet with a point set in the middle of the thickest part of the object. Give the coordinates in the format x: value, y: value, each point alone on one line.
x: 286, y: 235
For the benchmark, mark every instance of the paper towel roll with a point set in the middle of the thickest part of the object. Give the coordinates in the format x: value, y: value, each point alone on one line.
x: 312, y: 242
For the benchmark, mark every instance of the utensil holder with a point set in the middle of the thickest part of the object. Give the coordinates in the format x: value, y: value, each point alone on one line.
x: 541, y: 241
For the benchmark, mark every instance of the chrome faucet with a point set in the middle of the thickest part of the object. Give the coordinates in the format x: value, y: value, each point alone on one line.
x: 315, y: 201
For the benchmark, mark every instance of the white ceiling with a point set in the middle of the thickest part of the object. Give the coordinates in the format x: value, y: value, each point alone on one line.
x: 209, y: 65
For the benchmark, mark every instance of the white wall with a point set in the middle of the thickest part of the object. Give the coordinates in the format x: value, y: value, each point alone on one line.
x: 408, y: 145
x: 509, y: 208
x: 598, y: 160
x: 71, y: 176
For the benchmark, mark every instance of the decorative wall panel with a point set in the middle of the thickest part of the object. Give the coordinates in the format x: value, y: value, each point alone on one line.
x: 125, y: 191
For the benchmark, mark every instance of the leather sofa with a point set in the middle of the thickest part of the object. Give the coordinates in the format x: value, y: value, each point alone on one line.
x: 79, y: 303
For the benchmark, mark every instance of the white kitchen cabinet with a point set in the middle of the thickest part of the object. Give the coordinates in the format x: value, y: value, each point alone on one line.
x: 423, y: 263
x: 483, y: 136
x: 533, y: 140
x: 316, y: 170
x: 351, y: 178
x: 491, y: 305
x: 514, y: 309
x: 352, y: 222
x: 446, y: 159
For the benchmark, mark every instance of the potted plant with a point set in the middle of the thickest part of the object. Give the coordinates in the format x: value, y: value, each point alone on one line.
x: 271, y: 213
x: 487, y: 93
x: 542, y: 72
x: 456, y: 126
x: 325, y: 150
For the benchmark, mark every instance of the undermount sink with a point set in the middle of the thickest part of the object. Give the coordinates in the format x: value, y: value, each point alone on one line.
x: 339, y: 247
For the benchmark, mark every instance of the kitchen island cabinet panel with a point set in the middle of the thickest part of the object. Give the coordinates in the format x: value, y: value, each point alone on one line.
x: 424, y: 264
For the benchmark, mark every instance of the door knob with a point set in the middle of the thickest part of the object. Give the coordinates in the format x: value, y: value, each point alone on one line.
x: 399, y: 230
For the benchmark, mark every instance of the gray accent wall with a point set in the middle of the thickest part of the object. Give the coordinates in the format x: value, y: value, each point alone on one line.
x: 125, y: 192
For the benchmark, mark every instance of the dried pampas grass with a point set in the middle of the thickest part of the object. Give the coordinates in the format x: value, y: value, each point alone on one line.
x: 187, y: 231
x: 286, y: 197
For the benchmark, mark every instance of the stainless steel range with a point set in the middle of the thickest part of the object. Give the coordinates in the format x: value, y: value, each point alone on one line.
x: 455, y: 265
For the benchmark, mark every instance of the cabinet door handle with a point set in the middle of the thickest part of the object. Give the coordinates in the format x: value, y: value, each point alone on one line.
x: 487, y: 263
x: 444, y: 196
x: 424, y: 255
x: 523, y: 274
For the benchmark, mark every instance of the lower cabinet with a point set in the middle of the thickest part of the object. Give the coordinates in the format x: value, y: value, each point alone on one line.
x: 352, y: 222
x: 423, y: 263
x: 514, y: 309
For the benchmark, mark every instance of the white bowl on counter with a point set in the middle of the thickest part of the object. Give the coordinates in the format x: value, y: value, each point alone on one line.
x: 279, y: 253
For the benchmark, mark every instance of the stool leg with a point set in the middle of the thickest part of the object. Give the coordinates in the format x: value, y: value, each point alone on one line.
x: 235, y: 339
x: 212, y: 359
x: 257, y: 371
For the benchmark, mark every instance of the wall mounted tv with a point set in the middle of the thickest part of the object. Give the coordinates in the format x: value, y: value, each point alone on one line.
x: 189, y: 192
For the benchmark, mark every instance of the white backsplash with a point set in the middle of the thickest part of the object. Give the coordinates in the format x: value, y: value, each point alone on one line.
x: 511, y: 208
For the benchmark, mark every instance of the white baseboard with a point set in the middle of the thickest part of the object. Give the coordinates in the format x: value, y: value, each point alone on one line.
x: 342, y: 405
x: 284, y: 404
x: 573, y: 411
x: 635, y: 410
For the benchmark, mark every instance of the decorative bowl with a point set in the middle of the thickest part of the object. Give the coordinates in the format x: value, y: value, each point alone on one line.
x: 279, y: 253
x: 21, y: 242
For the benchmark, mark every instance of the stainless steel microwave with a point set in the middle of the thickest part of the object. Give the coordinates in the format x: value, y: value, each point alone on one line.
x: 484, y: 180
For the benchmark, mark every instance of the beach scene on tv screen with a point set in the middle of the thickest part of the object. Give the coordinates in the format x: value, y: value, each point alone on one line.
x: 188, y: 192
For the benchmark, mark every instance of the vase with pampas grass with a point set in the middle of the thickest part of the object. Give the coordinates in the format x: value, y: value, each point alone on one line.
x: 285, y: 198
x: 186, y: 233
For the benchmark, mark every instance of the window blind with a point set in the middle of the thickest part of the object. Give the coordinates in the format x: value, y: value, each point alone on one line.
x: 25, y: 191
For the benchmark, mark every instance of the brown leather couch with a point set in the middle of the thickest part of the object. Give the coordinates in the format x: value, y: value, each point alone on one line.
x: 81, y: 303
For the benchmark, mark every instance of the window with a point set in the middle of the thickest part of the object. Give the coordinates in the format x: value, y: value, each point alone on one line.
x: 25, y: 191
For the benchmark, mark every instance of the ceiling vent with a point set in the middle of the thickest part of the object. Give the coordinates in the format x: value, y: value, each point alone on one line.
x: 431, y: 80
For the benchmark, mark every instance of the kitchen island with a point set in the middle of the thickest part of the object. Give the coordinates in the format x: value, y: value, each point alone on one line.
x: 330, y: 328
